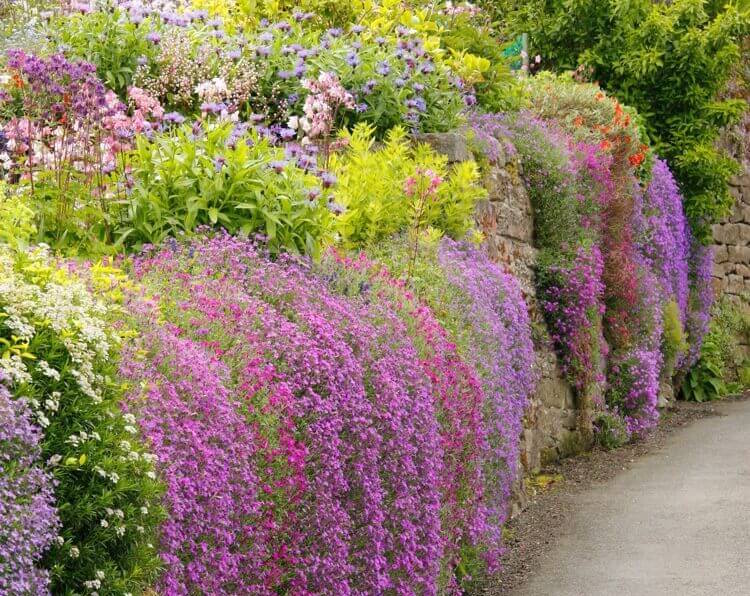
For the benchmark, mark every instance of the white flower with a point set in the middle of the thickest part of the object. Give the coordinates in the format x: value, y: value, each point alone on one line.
x: 74, y: 552
x: 100, y: 575
x: 120, y: 530
x: 114, y: 478
x: 144, y: 510
x: 151, y: 475
x: 129, y: 418
x: 60, y: 540
x: 104, y: 523
x: 293, y: 123
x: 54, y: 460
x: 130, y: 429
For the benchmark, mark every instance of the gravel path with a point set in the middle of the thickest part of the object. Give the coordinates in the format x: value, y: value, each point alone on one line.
x: 676, y: 522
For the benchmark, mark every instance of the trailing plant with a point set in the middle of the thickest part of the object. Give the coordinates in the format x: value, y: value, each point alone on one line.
x: 28, y: 519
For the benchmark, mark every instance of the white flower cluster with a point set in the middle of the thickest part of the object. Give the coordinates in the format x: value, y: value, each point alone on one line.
x: 38, y: 295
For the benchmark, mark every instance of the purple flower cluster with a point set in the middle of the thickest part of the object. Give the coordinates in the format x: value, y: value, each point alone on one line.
x: 665, y: 237
x: 339, y: 420
x: 28, y: 518
x: 701, y: 300
x: 213, y: 537
x: 502, y: 353
x: 572, y: 301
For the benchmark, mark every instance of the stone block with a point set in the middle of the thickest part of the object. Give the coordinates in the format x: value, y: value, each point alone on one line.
x: 721, y: 269
x: 452, y: 145
x: 738, y: 254
x: 743, y: 234
x: 735, y: 284
x: 727, y: 233
x: 721, y: 254
x: 742, y: 269
x: 554, y: 392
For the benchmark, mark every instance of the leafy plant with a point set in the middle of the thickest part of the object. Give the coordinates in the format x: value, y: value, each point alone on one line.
x: 705, y: 381
x: 182, y: 180
x: 378, y: 189
x: 609, y: 430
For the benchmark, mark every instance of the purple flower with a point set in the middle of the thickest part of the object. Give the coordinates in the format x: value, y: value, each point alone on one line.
x: 278, y: 166
x: 327, y: 179
x: 352, y: 59
x: 153, y: 37
x: 174, y: 118
x: 383, y: 68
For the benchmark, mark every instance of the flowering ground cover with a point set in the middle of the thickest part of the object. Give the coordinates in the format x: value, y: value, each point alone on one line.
x: 250, y: 342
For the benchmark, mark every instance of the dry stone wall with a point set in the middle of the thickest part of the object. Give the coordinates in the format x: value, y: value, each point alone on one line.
x: 731, y: 273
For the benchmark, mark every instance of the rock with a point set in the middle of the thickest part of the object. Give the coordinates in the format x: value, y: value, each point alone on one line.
x: 738, y: 254
x: 452, y: 145
x: 736, y: 284
x: 721, y: 254
x: 666, y: 394
x: 727, y: 233
x: 554, y: 393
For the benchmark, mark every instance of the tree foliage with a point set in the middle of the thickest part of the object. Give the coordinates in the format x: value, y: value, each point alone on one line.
x: 669, y: 60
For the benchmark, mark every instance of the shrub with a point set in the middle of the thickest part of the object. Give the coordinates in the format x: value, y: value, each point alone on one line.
x: 384, y: 191
x: 28, y: 519
x: 60, y: 359
x: 722, y: 365
x: 394, y: 78
x: 220, y: 176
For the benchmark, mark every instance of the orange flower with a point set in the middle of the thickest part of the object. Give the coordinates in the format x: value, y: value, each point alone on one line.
x: 605, y: 145
x: 599, y: 96
x: 636, y: 159
x: 17, y: 80
x: 578, y: 120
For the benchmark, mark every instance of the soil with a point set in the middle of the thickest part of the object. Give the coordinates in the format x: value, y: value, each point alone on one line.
x: 533, y: 531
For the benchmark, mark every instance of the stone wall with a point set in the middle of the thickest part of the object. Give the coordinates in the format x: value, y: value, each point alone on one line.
x: 732, y: 242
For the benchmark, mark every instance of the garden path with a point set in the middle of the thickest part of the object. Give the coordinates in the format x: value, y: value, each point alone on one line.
x: 676, y: 523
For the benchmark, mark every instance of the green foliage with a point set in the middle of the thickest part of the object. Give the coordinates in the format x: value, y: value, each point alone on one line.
x: 61, y: 358
x: 669, y: 60
x: 182, y: 181
x: 674, y: 340
x: 373, y: 184
x: 705, y: 381
x: 610, y: 431
x: 16, y: 218
x: 107, y: 40
x: 547, y: 174
x: 724, y: 365
x: 478, y: 58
